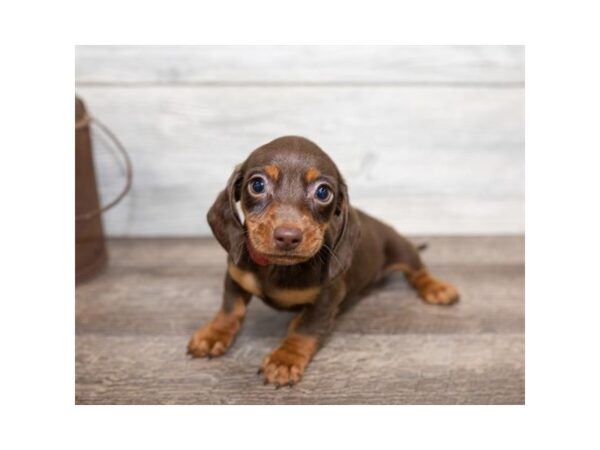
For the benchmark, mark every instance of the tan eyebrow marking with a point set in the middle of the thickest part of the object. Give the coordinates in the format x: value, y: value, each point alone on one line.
x: 312, y: 174
x: 272, y: 171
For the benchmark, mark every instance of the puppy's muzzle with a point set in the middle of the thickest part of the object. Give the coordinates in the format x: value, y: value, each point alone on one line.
x: 287, y: 237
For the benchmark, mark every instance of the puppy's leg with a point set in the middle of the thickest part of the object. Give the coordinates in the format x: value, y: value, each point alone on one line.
x: 404, y: 257
x: 286, y: 364
x: 214, y: 338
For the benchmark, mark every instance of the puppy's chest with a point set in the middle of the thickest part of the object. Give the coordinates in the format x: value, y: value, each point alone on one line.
x: 275, y: 291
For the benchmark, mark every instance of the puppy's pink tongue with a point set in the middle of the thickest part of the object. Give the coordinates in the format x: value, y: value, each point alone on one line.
x: 257, y: 257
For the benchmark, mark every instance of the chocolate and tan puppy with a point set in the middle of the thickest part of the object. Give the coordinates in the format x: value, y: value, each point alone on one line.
x: 295, y: 241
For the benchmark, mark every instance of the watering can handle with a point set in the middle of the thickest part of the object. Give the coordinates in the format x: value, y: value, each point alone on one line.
x: 85, y: 121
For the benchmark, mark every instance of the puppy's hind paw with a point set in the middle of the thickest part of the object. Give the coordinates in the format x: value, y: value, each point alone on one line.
x: 439, y: 293
x: 431, y: 289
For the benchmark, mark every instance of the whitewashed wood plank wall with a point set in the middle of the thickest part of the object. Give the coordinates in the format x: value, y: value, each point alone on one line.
x: 430, y: 139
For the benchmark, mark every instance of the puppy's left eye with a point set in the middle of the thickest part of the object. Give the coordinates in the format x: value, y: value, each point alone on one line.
x: 323, y: 193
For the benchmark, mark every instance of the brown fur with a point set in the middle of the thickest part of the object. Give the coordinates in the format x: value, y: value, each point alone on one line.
x: 342, y: 252
x: 284, y: 297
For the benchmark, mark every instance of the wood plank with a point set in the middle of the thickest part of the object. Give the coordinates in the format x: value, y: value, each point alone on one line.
x: 137, y: 299
x: 219, y: 65
x: 429, y: 160
x: 205, y: 253
x: 482, y: 267
x: 140, y: 301
x: 133, y: 323
x: 350, y: 369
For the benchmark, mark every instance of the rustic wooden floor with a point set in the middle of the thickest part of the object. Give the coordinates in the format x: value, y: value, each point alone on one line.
x: 134, y: 320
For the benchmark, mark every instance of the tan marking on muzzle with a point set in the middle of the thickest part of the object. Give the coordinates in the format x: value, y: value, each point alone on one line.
x: 261, y: 228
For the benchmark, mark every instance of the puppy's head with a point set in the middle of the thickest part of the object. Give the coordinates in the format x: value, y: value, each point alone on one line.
x: 286, y: 203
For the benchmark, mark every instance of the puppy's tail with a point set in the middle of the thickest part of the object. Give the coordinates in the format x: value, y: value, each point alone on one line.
x: 422, y: 246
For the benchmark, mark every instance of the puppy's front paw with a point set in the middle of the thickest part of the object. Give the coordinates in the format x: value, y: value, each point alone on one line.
x: 286, y: 364
x: 214, y: 338
x: 439, y: 293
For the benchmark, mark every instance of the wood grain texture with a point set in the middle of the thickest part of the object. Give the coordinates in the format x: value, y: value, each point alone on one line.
x: 221, y: 65
x: 134, y: 320
x: 351, y: 369
x: 425, y: 159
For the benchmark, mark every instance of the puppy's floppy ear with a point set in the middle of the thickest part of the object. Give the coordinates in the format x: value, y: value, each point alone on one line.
x: 223, y: 219
x: 346, y: 228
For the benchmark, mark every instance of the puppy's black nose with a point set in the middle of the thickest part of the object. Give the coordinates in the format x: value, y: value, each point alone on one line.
x: 287, y: 238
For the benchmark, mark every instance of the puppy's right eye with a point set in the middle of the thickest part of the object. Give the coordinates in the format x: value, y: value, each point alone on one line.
x: 257, y: 185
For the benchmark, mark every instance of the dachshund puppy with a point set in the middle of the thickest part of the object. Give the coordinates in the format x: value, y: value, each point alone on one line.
x: 294, y: 241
